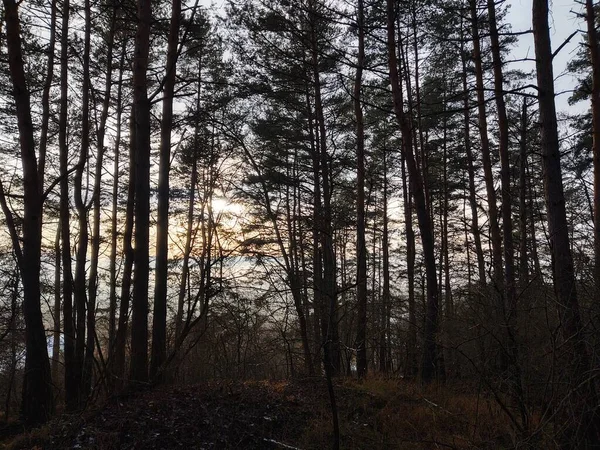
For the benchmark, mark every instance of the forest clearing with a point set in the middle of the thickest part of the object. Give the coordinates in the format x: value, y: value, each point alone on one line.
x: 300, y: 224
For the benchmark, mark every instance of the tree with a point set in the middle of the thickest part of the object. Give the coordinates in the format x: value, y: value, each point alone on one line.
x: 141, y: 150
x: 584, y: 390
x: 428, y: 367
x: 361, y: 247
x: 37, y: 403
x: 159, y: 326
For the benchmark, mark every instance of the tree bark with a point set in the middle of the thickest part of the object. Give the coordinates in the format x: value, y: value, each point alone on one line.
x: 585, y: 419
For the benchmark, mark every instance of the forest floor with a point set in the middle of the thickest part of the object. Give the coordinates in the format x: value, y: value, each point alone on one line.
x: 374, y: 414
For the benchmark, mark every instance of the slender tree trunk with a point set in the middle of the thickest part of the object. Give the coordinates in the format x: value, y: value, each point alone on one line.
x: 57, y: 298
x: 592, y: 37
x: 428, y: 368
x: 190, y: 218
x: 531, y: 207
x: 141, y: 105
x: 317, y: 256
x: 485, y: 152
x: 507, y: 228
x: 384, y: 361
x: 95, y: 238
x: 122, y: 330
x: 80, y: 292
x: 328, y: 280
x: 14, y: 311
x: 37, y: 401
x: 112, y: 325
x: 586, y: 423
x: 523, y: 261
x: 411, y: 340
x: 159, y: 324
x: 361, y: 247
x: 471, y: 171
x: 72, y: 369
x: 46, y: 94
x: 510, y: 306
x: 329, y: 287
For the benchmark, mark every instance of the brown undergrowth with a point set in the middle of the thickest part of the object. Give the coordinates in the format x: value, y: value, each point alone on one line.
x: 376, y: 413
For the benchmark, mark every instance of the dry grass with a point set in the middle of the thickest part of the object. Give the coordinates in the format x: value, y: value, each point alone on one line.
x: 385, y: 413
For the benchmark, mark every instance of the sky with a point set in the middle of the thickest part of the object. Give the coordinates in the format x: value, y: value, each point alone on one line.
x: 563, y: 22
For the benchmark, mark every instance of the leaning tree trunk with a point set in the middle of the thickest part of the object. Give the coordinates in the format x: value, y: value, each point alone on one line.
x: 585, y: 420
x: 428, y: 366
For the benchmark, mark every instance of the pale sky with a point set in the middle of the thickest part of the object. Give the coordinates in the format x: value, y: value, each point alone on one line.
x: 563, y: 23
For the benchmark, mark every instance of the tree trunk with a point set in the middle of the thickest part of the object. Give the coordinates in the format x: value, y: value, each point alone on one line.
x: 122, y: 330
x: 471, y: 172
x: 523, y: 261
x: 159, y: 324
x: 510, y: 306
x: 46, y: 94
x: 592, y: 35
x: 428, y: 368
x: 112, y: 325
x: 384, y: 363
x: 411, y: 339
x: 80, y: 288
x: 509, y: 270
x: 72, y: 369
x: 37, y: 401
x: 95, y: 253
x: 361, y: 247
x: 586, y: 424
x: 57, y: 298
x: 485, y: 152
x: 141, y: 105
